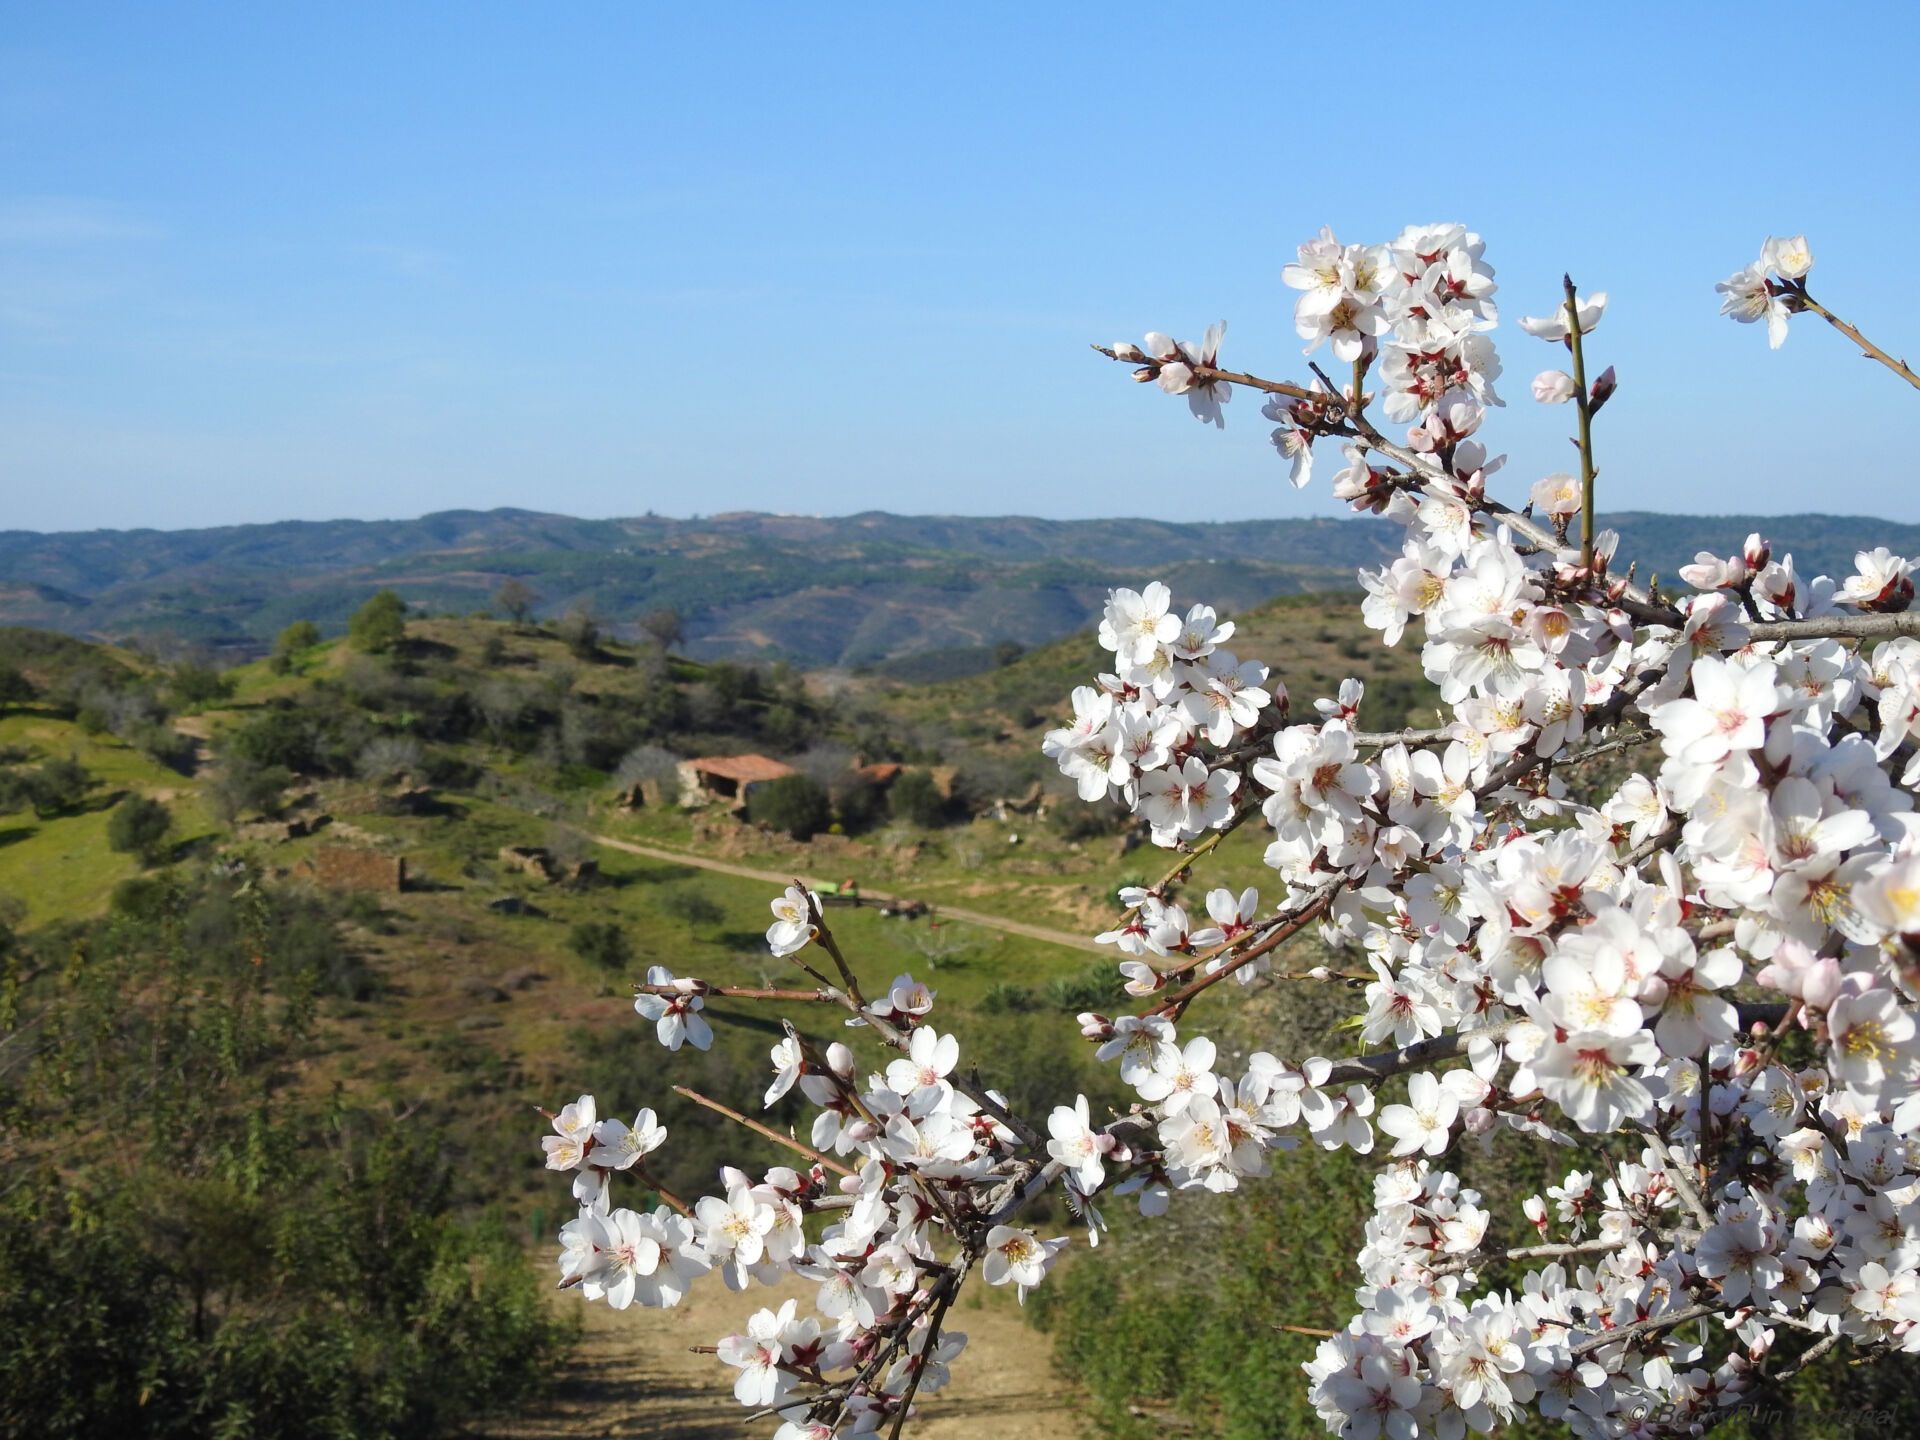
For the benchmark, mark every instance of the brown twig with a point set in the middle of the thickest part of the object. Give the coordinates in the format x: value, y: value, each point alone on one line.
x: 798, y: 1147
x: 1867, y: 347
x: 1644, y: 1327
x: 1283, y: 931
x: 1838, y: 627
x: 740, y: 992
x: 1585, y: 408
x: 824, y: 937
x: 952, y: 1281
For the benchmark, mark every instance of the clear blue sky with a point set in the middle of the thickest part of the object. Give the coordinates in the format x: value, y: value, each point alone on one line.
x: 266, y: 261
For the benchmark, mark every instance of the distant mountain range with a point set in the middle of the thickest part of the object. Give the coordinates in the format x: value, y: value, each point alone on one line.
x: 855, y: 590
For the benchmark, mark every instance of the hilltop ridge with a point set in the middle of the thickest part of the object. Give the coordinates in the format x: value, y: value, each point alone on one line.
x: 855, y: 590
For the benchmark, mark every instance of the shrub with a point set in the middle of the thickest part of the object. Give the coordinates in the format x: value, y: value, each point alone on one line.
x: 243, y: 785
x: 515, y: 599
x: 580, y: 633
x: 139, y: 826
x: 693, y: 905
x: 193, y: 684
x: 796, y: 805
x: 378, y: 626
x: 15, y: 688
x: 601, y: 943
x: 916, y: 799
x: 55, y: 788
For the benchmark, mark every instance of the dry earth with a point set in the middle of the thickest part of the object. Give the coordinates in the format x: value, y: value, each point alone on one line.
x: 634, y: 1374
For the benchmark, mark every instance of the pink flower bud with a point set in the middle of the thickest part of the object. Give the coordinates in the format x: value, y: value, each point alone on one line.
x: 1757, y: 552
x: 1603, y: 389
x: 1127, y: 350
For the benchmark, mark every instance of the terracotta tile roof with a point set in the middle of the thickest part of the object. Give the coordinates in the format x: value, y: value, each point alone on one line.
x: 881, y: 772
x: 743, y: 769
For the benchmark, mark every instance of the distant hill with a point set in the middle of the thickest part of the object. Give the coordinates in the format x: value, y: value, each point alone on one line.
x: 853, y: 590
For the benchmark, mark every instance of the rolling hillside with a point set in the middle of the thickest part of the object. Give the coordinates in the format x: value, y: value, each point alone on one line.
x: 857, y: 590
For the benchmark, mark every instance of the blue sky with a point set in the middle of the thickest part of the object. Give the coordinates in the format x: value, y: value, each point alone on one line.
x: 264, y: 262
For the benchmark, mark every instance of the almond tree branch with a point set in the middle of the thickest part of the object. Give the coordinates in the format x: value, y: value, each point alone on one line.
x: 1530, y: 1252
x: 798, y: 1147
x: 899, y: 1040
x: 1644, y: 1327
x: 1867, y: 347
x: 1232, y: 377
x: 1838, y: 627
x: 1584, y: 405
x: 1281, y: 932
x: 740, y: 992
x: 1634, y: 600
x: 927, y: 1350
x: 1744, y: 1401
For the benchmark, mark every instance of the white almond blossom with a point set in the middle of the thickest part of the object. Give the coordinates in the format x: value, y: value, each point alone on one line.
x: 1711, y: 960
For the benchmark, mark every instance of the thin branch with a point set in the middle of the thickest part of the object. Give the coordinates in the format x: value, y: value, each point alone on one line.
x: 1585, y: 408
x: 952, y: 1293
x: 825, y: 938
x: 1839, y: 627
x: 1283, y: 931
x: 1388, y: 1063
x: 1867, y: 347
x: 1632, y: 599
x: 1644, y: 1327
x: 798, y: 1147
x: 1188, y: 856
x: 1386, y: 738
x: 1204, y: 373
x: 740, y: 992
x: 1533, y: 1252
x: 1745, y: 1401
x: 665, y: 1194
x: 899, y: 1040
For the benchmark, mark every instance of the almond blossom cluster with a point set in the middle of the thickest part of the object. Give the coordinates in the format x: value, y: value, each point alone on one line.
x: 1715, y: 961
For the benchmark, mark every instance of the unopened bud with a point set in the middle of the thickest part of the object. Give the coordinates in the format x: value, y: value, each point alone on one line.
x: 1603, y: 389
x: 1552, y: 387
x: 1145, y: 374
x: 1480, y: 1120
x: 1093, y: 1025
x: 1280, y: 702
x: 1757, y: 553
x: 840, y: 1059
x: 1127, y: 350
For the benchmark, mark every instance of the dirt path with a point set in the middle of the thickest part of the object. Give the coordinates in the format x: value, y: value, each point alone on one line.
x: 779, y: 881
x: 633, y: 1375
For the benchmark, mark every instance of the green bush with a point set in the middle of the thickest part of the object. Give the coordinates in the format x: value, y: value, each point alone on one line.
x: 379, y: 625
x: 15, y: 688
x: 693, y: 905
x: 194, y: 684
x: 916, y: 799
x: 138, y: 826
x: 794, y: 804
x: 601, y: 943
x: 239, y: 1260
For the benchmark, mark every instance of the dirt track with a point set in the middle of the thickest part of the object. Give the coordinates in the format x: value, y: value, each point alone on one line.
x: 779, y: 881
x: 634, y: 1376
